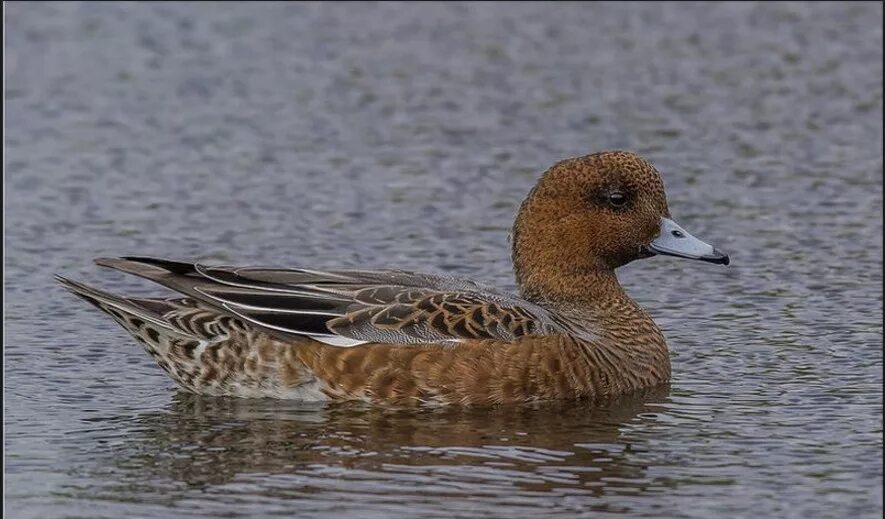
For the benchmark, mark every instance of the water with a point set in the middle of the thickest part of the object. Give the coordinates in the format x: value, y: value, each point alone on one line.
x: 406, y: 136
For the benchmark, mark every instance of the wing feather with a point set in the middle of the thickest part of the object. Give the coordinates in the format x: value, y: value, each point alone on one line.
x: 349, y: 307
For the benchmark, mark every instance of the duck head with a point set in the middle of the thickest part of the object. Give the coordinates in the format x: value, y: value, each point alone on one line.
x: 590, y: 215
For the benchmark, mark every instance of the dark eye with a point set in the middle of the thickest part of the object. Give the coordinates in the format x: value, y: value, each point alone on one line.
x: 617, y: 199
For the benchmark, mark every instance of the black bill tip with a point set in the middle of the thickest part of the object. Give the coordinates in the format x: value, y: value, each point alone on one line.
x: 717, y: 256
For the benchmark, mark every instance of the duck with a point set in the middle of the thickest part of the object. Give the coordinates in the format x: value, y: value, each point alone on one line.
x: 395, y: 337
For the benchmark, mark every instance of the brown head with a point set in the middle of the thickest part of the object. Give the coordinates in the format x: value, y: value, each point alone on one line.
x: 590, y: 215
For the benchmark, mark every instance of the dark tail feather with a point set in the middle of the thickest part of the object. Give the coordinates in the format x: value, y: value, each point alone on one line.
x: 149, y: 268
x: 175, y: 275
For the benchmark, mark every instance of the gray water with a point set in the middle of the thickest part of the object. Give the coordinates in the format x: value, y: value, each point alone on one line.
x: 396, y: 135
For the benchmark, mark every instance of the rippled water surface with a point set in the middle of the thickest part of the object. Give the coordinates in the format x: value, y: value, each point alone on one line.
x: 395, y: 135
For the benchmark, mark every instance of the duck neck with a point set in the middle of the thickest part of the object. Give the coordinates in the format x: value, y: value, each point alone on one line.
x: 596, y: 299
x: 591, y: 291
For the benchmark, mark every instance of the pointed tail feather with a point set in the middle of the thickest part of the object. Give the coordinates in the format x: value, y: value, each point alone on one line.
x: 118, y: 307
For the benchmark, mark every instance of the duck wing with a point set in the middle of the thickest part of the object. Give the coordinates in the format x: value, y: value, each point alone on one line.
x: 350, y: 307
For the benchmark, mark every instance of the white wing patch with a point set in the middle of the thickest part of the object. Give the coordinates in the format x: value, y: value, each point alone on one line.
x: 337, y: 340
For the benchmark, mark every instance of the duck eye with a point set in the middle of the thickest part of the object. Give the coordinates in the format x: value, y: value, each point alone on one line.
x: 617, y: 199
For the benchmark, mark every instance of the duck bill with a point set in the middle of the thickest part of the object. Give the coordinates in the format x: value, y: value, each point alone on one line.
x: 673, y: 240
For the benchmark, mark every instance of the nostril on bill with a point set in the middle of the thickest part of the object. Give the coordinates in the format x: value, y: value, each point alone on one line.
x: 678, y: 234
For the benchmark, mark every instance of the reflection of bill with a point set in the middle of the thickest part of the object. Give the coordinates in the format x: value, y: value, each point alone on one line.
x: 346, y: 450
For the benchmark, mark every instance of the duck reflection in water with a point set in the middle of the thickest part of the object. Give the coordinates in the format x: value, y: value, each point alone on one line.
x: 306, y: 449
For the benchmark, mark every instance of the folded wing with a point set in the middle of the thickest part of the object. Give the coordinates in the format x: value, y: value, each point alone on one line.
x: 350, y: 307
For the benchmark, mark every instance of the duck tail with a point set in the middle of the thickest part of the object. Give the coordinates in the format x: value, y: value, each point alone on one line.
x: 151, y: 322
x: 132, y: 314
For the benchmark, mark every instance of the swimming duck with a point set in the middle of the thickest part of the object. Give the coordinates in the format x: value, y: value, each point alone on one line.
x: 404, y: 338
